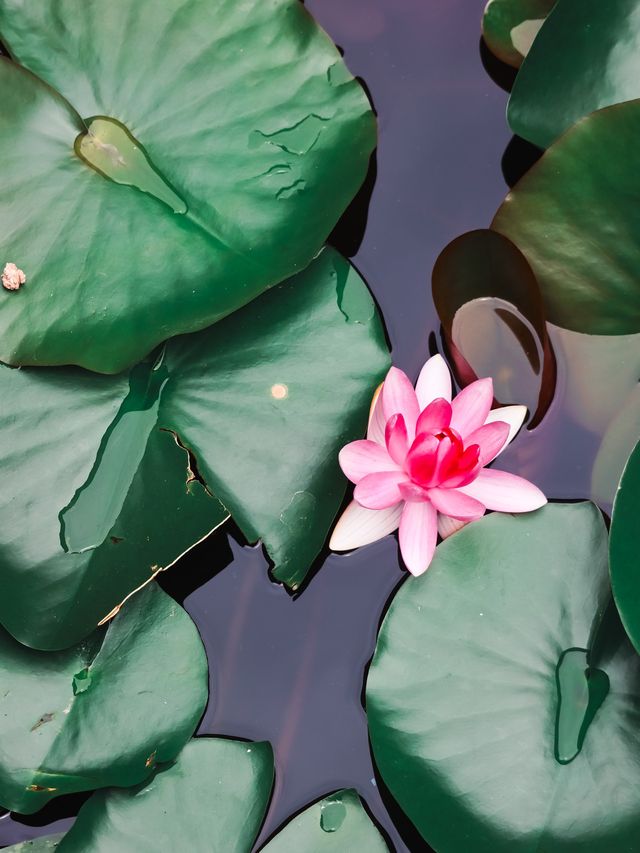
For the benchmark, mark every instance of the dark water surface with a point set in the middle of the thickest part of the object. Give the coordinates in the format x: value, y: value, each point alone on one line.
x: 291, y: 671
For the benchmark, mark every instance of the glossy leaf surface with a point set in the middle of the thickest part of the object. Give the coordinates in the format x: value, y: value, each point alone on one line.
x: 584, y: 58
x: 104, y: 712
x: 240, y: 116
x: 574, y: 216
x: 492, y: 669
x: 490, y: 306
x: 212, y: 798
x: 336, y: 824
x: 510, y: 26
x: 265, y: 400
x: 625, y: 570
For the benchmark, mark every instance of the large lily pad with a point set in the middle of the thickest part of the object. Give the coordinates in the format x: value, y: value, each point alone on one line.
x: 256, y: 135
x: 509, y: 27
x: 585, y: 57
x: 104, y: 712
x: 502, y: 706
x: 575, y: 216
x: 625, y: 568
x: 97, y: 493
x: 213, y: 798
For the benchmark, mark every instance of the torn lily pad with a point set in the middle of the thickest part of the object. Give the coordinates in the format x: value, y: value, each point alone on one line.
x: 163, y: 165
x: 521, y: 732
x: 145, y: 686
x: 95, y: 467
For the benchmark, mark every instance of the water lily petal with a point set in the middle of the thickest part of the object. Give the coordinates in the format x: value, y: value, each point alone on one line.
x: 491, y: 439
x: 434, y: 381
x: 395, y: 436
x: 377, y: 422
x: 456, y: 504
x: 422, y: 458
x: 418, y: 536
x: 411, y: 492
x: 379, y: 491
x: 399, y: 398
x: 437, y: 416
x: 471, y: 407
x: 504, y: 492
x: 512, y: 415
x: 364, y: 457
x: 359, y: 526
x: 465, y: 470
x: 447, y: 526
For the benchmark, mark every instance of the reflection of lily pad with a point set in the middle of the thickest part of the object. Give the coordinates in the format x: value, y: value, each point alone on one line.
x: 259, y: 135
x: 97, y: 493
x: 585, y: 57
x: 489, y: 720
x: 509, y: 27
x: 104, y: 712
x: 577, y: 233
x: 625, y: 568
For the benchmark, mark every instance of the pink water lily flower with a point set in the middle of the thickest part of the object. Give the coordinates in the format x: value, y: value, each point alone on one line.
x: 422, y: 465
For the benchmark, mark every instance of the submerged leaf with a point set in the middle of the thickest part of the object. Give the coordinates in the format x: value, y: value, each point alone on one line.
x: 186, y: 157
x: 98, y: 493
x: 625, y: 571
x: 101, y: 713
x: 521, y: 730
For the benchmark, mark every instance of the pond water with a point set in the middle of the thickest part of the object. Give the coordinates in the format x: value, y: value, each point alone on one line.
x: 291, y: 670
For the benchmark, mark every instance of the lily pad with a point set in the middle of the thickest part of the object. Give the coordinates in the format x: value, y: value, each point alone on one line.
x: 336, y: 824
x: 213, y: 798
x: 44, y: 844
x: 586, y: 56
x: 509, y: 27
x: 104, y: 712
x: 574, y: 216
x: 491, y: 309
x: 98, y: 493
x: 625, y: 571
x: 502, y: 702
x: 163, y: 165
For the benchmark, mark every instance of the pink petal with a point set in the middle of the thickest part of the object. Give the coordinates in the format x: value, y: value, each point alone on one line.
x: 377, y: 422
x: 434, y: 381
x: 464, y: 471
x: 418, y: 535
x: 437, y: 416
x: 399, y: 398
x: 421, y: 460
x: 364, y: 457
x: 512, y: 415
x: 395, y: 436
x: 358, y: 526
x: 504, y: 492
x: 471, y: 407
x: 379, y: 491
x: 411, y: 492
x: 491, y: 439
x: 456, y: 504
x: 447, y: 526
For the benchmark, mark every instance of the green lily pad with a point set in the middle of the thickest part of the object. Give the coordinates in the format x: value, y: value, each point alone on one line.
x: 213, y: 798
x: 104, y: 712
x: 573, y: 216
x: 98, y: 493
x: 44, y: 844
x: 585, y: 57
x: 165, y: 165
x: 503, y: 696
x: 336, y: 824
x: 491, y: 310
x: 625, y: 571
x: 510, y: 26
